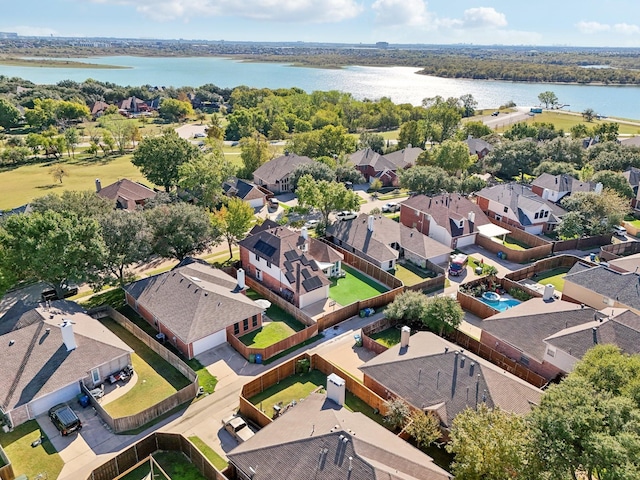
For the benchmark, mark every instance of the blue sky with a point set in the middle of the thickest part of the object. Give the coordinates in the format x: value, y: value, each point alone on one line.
x: 508, y: 22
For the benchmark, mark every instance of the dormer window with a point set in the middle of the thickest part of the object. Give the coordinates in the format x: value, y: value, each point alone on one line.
x: 461, y: 223
x: 506, y: 209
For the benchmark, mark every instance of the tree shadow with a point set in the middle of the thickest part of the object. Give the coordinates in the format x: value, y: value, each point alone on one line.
x: 49, y: 187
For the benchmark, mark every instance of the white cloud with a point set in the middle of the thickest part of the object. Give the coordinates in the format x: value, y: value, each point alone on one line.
x: 270, y: 10
x: 593, y: 27
x: 626, y: 28
x: 483, y: 17
x: 402, y: 12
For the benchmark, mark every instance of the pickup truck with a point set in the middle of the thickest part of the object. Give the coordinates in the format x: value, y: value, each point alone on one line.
x: 237, y: 427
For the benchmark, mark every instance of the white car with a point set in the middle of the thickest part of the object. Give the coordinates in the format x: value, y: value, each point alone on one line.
x: 390, y: 207
x: 199, y: 135
x: 311, y: 223
x: 346, y: 215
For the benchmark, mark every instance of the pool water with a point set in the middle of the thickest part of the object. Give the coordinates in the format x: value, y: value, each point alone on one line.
x: 502, y: 304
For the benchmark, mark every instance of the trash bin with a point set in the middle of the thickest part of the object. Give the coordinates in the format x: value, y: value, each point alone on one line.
x: 362, y: 313
x: 500, y: 254
x: 592, y: 257
x: 358, y: 339
x: 252, y: 358
x: 258, y: 358
x: 478, y: 270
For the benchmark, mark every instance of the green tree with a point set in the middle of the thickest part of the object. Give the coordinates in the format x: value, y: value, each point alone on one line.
x: 254, y: 152
x: 469, y: 105
x: 204, y: 175
x: 555, y: 168
x: 424, y: 428
x: 607, y: 132
x: 52, y: 247
x: 489, y: 444
x: 474, y: 129
x: 232, y: 222
x: 317, y: 170
x: 159, y: 157
x: 66, y: 111
x: 374, y: 141
x: 411, y: 133
x: 442, y: 118
x: 326, y: 196
x: 9, y: 114
x: 600, y: 212
x: 427, y: 180
x: 376, y: 185
x: 614, y: 181
x: 453, y: 156
x: 58, y: 171
x: 122, y: 129
x: 397, y: 413
x: 179, y: 230
x: 108, y: 142
x: 548, y: 98
x: 72, y: 139
x: 580, y: 130
x: 128, y: 240
x: 42, y: 114
x: 571, y: 226
x: 588, y: 115
x: 408, y: 307
x: 510, y: 159
x: 442, y: 314
x: 173, y: 110
x: 471, y: 184
x: 80, y: 203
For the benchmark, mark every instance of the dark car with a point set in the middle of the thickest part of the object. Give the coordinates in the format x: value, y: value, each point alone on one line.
x: 65, y: 419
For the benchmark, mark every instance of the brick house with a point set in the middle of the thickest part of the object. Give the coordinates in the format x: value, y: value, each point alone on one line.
x: 555, y: 187
x: 450, y: 219
x: 275, y: 175
x: 194, y: 307
x: 372, y: 165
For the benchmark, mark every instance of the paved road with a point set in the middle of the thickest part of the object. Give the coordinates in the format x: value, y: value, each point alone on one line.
x: 505, y: 119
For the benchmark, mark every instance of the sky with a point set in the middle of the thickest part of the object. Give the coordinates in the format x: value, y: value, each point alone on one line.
x: 614, y: 23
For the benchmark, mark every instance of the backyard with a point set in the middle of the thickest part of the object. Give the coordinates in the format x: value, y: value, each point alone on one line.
x: 555, y: 277
x: 388, y: 337
x: 353, y: 287
x: 157, y: 379
x: 514, y: 244
x: 279, y: 326
x: 411, y: 274
x: 176, y: 465
x: 30, y: 460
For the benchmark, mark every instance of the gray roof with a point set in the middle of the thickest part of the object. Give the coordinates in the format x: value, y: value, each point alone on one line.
x: 392, y: 161
x: 477, y: 145
x: 37, y: 363
x: 632, y: 174
x: 562, y: 183
x: 293, y: 447
x: 429, y: 374
x: 193, y: 301
x: 622, y: 287
x: 278, y: 168
x: 446, y: 210
x: 235, y: 187
x: 126, y: 194
x: 405, y: 157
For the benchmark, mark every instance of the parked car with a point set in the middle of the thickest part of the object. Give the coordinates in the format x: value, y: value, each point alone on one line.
x: 619, y: 230
x: 346, y: 215
x: 65, y: 419
x: 68, y: 290
x: 391, y: 207
x: 274, y: 202
x: 199, y: 135
x: 311, y: 223
x: 237, y: 427
x: 495, y: 114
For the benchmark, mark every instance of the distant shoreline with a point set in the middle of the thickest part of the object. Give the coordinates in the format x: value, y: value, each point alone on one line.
x: 53, y: 63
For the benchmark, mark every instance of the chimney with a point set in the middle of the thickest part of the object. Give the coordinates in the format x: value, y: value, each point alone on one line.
x: 370, y: 223
x: 595, y: 335
x: 240, y: 277
x: 98, y: 185
x: 405, y: 333
x: 472, y: 217
x: 548, y: 292
x: 66, y: 328
x: 305, y: 233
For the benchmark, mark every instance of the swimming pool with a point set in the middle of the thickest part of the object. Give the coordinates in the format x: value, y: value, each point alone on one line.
x: 502, y: 304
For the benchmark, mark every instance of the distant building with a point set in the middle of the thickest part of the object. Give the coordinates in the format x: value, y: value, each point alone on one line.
x: 7, y: 35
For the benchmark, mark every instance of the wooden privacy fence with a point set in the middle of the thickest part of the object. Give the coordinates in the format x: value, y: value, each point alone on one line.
x: 375, y: 327
x: 277, y: 347
x: 582, y: 243
x: 516, y: 256
x: 138, y: 453
x: 131, y: 422
x: 6, y: 471
x: 559, y: 261
x: 617, y: 250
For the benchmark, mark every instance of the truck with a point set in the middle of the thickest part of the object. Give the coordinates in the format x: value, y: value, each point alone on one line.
x: 458, y: 264
x: 237, y: 427
x: 536, y: 110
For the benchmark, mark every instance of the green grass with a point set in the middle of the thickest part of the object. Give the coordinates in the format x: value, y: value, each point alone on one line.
x: 174, y: 463
x: 113, y: 297
x: 554, y: 277
x: 353, y: 287
x: 266, y: 335
x: 411, y: 274
x: 276, y: 314
x: 355, y: 404
x: 157, y: 379
x: 218, y: 462
x: 565, y: 120
x: 388, y: 337
x: 632, y: 220
x: 514, y: 244
x: 295, y: 387
x: 27, y: 459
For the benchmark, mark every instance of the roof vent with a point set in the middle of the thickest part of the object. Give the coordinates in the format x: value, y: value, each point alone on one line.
x: 11, y: 342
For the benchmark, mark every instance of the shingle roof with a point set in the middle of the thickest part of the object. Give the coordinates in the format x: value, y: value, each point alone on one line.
x: 622, y: 287
x: 405, y: 157
x: 562, y: 183
x: 632, y: 174
x: 477, y: 145
x: 293, y: 447
x: 37, y: 363
x: 428, y: 376
x: 279, y: 167
x: 392, y: 161
x: 126, y: 193
x: 242, y: 189
x: 193, y: 301
x: 446, y: 210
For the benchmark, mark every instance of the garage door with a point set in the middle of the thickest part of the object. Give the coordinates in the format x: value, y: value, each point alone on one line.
x: 466, y: 241
x: 209, y: 342
x: 43, y: 404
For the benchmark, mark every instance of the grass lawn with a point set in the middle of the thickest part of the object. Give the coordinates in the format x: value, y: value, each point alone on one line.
x: 353, y: 287
x: 632, y: 220
x: 27, y: 459
x: 266, y: 335
x: 514, y: 244
x: 157, y: 379
x: 355, y: 404
x: 388, y: 337
x: 276, y: 314
x: 564, y: 120
x: 218, y: 462
x: 554, y: 277
x: 291, y: 388
x: 411, y: 274
x: 175, y: 464
x: 113, y: 297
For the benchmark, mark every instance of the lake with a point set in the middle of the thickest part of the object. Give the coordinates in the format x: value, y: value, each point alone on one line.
x: 401, y: 84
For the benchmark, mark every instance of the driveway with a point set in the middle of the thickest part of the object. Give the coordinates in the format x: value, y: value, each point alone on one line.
x: 188, y: 131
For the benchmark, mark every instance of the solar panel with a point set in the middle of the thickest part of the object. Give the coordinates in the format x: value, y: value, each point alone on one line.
x: 264, y: 248
x: 312, y: 283
x: 290, y: 276
x: 290, y: 255
x: 306, y: 274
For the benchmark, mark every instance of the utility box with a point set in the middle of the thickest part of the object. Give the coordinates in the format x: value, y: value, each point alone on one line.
x: 336, y: 389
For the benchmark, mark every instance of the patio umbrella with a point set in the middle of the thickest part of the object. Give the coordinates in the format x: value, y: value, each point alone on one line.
x: 263, y: 303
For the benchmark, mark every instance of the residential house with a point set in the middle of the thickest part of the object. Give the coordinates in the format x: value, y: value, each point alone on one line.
x: 245, y: 190
x: 383, y: 241
x: 630, y: 263
x: 372, y: 165
x: 48, y: 351
x: 194, y: 307
x: 98, y: 108
x: 133, y: 106
x: 126, y: 194
x: 632, y: 174
x: 555, y: 187
x: 450, y: 219
x: 275, y: 175
x: 550, y: 336
x: 432, y: 374
x: 601, y: 286
x: 320, y: 439
x: 478, y: 147
x: 292, y: 264
x: 518, y: 206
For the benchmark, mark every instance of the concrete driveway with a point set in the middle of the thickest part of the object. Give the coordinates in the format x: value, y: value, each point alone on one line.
x: 188, y: 131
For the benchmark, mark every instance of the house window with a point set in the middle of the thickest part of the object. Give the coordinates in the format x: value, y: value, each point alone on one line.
x: 546, y: 214
x: 257, y: 257
x: 95, y: 375
x: 236, y: 328
x: 268, y: 264
x: 258, y: 274
x: 391, y: 264
x: 254, y: 321
x: 551, y: 352
x: 506, y: 209
x: 537, y: 215
x: 245, y: 324
x: 524, y: 360
x: 499, y: 218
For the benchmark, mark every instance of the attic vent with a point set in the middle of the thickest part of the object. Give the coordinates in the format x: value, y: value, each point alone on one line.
x: 219, y: 304
x: 196, y: 279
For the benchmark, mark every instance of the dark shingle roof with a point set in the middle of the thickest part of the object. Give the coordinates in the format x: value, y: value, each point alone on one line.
x: 293, y: 447
x: 562, y: 183
x: 279, y: 168
x: 428, y: 377
x: 632, y: 174
x: 235, y: 187
x: 193, y: 301
x: 622, y: 287
x: 477, y: 145
x: 405, y: 157
x: 126, y: 193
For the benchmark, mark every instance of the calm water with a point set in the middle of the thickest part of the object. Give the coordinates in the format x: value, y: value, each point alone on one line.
x: 401, y: 84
